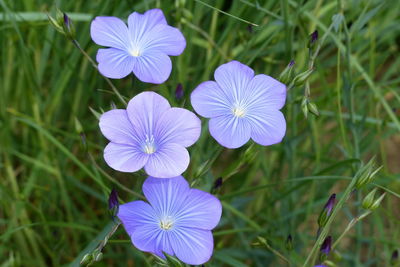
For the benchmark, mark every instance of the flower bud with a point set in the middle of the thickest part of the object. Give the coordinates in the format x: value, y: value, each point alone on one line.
x: 325, y: 248
x: 366, y: 174
x: 87, y: 259
x: 113, y: 203
x: 286, y: 74
x: 289, y: 243
x: 217, y: 185
x: 326, y: 212
x: 301, y: 78
x: 313, y: 108
x: 377, y: 202
x: 304, y: 106
x: 179, y: 91
x: 313, y: 39
x: 369, y: 199
x: 58, y: 21
x: 394, y: 260
x: 69, y: 29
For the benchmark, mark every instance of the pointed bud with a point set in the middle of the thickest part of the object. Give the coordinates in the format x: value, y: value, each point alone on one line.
x: 179, y: 91
x: 250, y: 28
x: 58, y: 21
x: 113, y: 203
x: 366, y: 174
x: 301, y: 78
x: 304, y: 106
x: 326, y: 212
x: 377, y: 202
x: 369, y: 199
x: 286, y: 74
x: 217, y: 185
x: 313, y: 108
x: 289, y: 243
x: 394, y: 261
x: 326, y: 245
x: 69, y: 29
x: 313, y: 39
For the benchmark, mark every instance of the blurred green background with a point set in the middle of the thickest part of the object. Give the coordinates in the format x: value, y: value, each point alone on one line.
x: 54, y: 183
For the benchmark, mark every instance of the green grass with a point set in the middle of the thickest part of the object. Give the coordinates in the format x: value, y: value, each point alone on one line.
x: 54, y: 182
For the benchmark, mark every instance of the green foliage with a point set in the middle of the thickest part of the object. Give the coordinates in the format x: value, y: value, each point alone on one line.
x: 54, y: 183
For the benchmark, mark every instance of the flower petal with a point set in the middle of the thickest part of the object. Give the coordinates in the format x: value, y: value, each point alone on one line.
x: 109, y: 31
x: 116, y: 127
x: 153, y: 67
x: 115, y: 63
x: 124, y: 157
x: 168, y: 161
x: 209, y: 100
x: 144, y: 110
x: 150, y: 238
x: 139, y: 24
x: 179, y: 126
x: 136, y: 213
x: 233, y: 78
x: 166, y: 196
x: 191, y: 245
x: 268, y: 126
x: 265, y: 90
x: 200, y: 210
x: 164, y: 38
x: 230, y: 131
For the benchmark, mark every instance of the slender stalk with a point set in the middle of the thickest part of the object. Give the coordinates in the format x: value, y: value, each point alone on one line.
x: 121, y: 98
x: 324, y: 232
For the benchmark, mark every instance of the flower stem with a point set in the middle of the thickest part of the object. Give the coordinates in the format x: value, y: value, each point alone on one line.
x: 75, y: 42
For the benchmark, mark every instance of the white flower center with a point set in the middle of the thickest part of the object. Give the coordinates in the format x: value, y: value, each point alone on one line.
x: 135, y: 52
x: 149, y: 146
x: 166, y: 223
x: 238, y: 111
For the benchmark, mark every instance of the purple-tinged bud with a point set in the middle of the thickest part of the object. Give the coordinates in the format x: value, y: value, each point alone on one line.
x: 179, y: 91
x: 250, y: 28
x: 289, y: 243
x: 217, y: 185
x: 113, y: 204
x: 286, y: 75
x: 395, y: 258
x: 326, y: 212
x: 326, y: 245
x: 313, y: 38
x: 69, y: 29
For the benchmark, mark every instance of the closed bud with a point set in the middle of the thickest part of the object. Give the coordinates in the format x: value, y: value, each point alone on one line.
x: 313, y: 108
x: 217, y: 185
x: 301, y: 78
x: 326, y: 212
x: 313, y: 39
x: 58, y: 21
x: 326, y: 246
x: 179, y: 91
x: 304, y: 106
x: 68, y: 27
x: 87, y: 259
x: 98, y: 256
x: 113, y: 203
x: 394, y: 260
x: 289, y: 243
x: 366, y: 174
x: 369, y: 199
x: 377, y: 202
x: 286, y: 75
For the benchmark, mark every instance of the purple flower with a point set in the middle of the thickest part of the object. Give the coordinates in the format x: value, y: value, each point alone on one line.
x: 143, y: 47
x: 177, y: 220
x: 241, y: 106
x: 149, y: 134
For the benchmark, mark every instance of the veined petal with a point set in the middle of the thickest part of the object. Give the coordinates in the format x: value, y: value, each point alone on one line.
x: 150, y: 238
x: 110, y: 31
x: 166, y: 196
x: 230, y: 131
x: 115, y: 63
x: 139, y: 24
x: 125, y: 157
x: 179, y: 126
x: 165, y: 39
x: 153, y: 67
x: 168, y: 161
x: 191, y: 245
x: 144, y: 110
x: 233, y: 78
x: 136, y: 213
x: 268, y: 127
x: 116, y: 127
x: 266, y: 91
x: 209, y: 100
x: 200, y: 210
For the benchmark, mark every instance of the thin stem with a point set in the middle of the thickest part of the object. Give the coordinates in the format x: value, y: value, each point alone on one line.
x: 75, y: 42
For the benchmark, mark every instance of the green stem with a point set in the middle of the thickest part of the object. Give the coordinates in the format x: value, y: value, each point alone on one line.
x: 75, y: 42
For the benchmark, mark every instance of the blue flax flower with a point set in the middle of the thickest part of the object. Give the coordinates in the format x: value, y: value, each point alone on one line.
x: 242, y: 106
x: 149, y: 134
x: 177, y: 220
x: 143, y: 47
